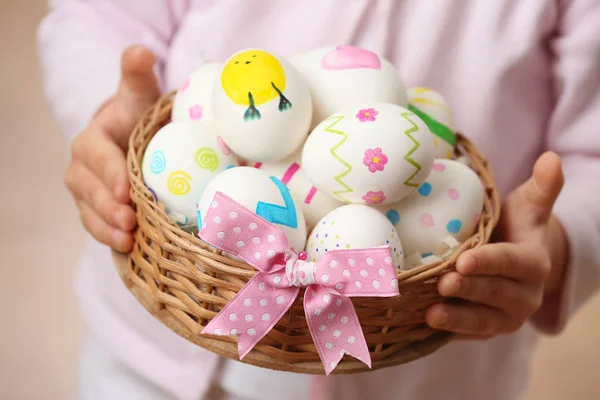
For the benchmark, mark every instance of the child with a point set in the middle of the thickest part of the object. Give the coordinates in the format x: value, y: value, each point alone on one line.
x: 522, y: 77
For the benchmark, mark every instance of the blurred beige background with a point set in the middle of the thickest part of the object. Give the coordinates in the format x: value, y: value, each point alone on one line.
x: 40, y: 328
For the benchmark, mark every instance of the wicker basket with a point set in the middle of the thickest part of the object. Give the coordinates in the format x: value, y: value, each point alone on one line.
x: 184, y: 283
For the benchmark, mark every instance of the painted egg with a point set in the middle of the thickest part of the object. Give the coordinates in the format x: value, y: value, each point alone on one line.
x: 180, y: 160
x: 340, y: 77
x: 262, y: 106
x: 374, y: 154
x: 448, y: 203
x: 314, y: 203
x: 354, y: 226
x: 193, y: 100
x: 434, y: 110
x: 266, y: 196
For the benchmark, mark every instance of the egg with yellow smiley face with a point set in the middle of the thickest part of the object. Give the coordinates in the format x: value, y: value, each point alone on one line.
x: 261, y: 98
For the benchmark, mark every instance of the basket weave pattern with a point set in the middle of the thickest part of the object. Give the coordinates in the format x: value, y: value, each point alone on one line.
x: 184, y: 283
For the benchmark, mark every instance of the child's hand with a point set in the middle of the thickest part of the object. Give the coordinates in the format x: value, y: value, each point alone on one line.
x: 505, y: 282
x: 97, y: 176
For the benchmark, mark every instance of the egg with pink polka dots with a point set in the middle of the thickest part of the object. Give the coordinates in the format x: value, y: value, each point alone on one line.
x: 354, y: 226
x: 448, y: 203
x: 193, y: 100
x: 262, y: 194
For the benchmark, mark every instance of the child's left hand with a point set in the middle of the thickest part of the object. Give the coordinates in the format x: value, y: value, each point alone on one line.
x: 505, y: 282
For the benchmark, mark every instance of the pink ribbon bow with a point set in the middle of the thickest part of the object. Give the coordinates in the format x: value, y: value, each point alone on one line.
x: 336, y: 276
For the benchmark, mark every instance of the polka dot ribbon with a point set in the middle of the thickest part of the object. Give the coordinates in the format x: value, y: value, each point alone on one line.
x: 330, y: 282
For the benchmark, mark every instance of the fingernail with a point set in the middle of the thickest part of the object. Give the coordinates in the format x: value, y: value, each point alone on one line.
x: 121, y: 192
x: 451, y: 288
x: 467, y: 264
x: 116, y: 234
x: 118, y: 219
x: 442, y: 318
x: 122, y: 220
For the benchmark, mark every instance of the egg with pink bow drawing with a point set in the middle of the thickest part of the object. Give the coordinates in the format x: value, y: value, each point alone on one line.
x: 193, y: 100
x: 342, y: 76
x: 265, y: 196
x: 374, y: 153
x: 314, y: 203
x: 354, y: 226
x: 448, y: 203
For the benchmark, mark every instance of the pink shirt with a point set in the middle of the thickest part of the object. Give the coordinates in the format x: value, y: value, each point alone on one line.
x: 521, y: 76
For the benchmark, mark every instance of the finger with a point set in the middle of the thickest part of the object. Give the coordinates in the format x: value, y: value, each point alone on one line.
x: 138, y: 90
x: 118, y: 240
x: 105, y: 159
x: 87, y: 187
x: 539, y: 193
x: 469, y: 319
x: 512, y: 297
x: 524, y: 263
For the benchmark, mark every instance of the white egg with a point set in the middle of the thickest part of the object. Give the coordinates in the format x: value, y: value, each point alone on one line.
x: 250, y: 187
x: 354, y: 226
x: 434, y: 110
x: 262, y: 106
x: 449, y: 203
x: 344, y: 76
x: 180, y: 160
x: 377, y: 153
x: 193, y: 100
x: 314, y: 203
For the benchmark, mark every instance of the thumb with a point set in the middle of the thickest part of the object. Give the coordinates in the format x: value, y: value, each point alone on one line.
x: 536, y: 197
x: 138, y: 89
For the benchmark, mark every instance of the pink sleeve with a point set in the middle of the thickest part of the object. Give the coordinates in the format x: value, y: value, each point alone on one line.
x: 80, y: 45
x: 574, y: 133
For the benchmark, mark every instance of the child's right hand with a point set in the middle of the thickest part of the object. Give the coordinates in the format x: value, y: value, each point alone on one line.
x: 97, y: 175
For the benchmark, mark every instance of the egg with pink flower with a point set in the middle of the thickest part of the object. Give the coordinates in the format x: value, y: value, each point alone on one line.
x: 447, y: 204
x: 372, y: 154
x: 343, y: 76
x: 193, y: 100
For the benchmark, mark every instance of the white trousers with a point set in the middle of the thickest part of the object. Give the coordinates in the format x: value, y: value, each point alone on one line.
x: 102, y: 377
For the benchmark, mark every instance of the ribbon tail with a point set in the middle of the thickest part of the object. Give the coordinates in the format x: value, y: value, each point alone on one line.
x: 252, y: 313
x: 334, y: 327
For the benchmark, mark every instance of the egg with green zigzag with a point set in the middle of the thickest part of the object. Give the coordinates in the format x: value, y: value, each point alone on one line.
x: 372, y: 154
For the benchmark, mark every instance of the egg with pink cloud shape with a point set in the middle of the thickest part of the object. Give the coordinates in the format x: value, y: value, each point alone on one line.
x: 448, y: 203
x: 343, y: 76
